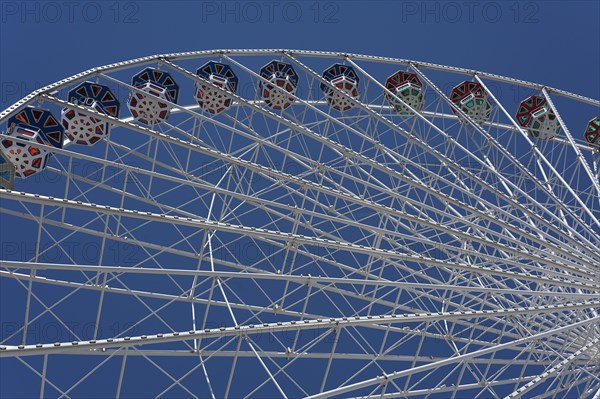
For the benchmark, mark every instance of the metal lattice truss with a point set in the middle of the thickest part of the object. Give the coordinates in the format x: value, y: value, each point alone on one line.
x: 307, y: 252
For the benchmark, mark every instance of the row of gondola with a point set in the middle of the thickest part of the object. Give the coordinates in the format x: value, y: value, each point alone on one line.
x: 155, y: 91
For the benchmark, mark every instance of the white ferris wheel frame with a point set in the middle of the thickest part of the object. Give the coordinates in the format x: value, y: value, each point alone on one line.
x: 567, y: 237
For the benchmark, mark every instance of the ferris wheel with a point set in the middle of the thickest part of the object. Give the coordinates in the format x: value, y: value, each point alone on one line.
x: 284, y: 223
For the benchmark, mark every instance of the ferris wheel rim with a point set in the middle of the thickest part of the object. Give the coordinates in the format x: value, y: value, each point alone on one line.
x: 15, y: 107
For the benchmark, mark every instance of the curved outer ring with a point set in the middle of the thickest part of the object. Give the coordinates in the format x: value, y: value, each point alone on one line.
x: 318, y: 54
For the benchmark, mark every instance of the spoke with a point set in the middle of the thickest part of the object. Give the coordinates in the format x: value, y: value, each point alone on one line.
x: 454, y: 359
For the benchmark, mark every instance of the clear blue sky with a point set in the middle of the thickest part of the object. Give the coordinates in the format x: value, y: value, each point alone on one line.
x: 551, y: 42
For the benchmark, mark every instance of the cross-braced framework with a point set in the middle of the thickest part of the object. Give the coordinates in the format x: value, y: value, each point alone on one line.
x: 282, y: 223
